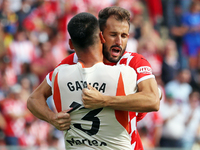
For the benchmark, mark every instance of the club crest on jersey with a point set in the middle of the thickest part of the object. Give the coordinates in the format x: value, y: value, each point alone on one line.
x: 144, y: 70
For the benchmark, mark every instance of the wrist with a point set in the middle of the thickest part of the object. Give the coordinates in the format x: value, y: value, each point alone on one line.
x: 107, y: 100
x: 51, y: 117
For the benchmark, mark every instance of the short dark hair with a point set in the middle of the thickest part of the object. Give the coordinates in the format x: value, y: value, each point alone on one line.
x: 120, y: 14
x: 82, y: 29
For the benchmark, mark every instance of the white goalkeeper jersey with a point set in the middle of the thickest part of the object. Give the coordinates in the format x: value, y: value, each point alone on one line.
x: 102, y: 128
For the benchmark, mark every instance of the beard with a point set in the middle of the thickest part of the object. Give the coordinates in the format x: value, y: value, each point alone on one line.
x: 108, y: 56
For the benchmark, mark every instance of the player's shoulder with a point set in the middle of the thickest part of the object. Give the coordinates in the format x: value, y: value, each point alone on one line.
x: 132, y: 56
x: 71, y: 59
x: 124, y: 67
x: 133, y: 59
x: 66, y: 67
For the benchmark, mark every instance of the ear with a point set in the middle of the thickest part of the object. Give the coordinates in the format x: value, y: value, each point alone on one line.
x: 71, y: 44
x: 101, y: 38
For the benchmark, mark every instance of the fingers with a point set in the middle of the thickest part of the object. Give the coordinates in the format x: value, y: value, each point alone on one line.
x: 64, y: 127
x: 84, y: 91
x: 63, y: 115
x: 87, y: 91
x: 66, y: 111
x: 64, y: 124
x: 62, y: 120
x: 89, y: 87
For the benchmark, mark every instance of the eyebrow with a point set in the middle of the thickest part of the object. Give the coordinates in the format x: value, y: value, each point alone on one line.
x: 118, y: 32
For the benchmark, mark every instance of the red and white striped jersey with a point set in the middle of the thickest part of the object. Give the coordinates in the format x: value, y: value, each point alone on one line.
x: 102, y: 128
x: 143, y: 70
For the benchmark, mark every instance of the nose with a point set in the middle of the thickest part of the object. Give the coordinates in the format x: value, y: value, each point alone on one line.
x: 118, y: 40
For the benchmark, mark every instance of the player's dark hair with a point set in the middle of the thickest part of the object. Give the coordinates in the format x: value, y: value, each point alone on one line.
x: 120, y: 14
x: 83, y: 29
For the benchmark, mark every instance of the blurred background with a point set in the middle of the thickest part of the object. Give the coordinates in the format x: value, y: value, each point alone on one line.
x: 34, y: 39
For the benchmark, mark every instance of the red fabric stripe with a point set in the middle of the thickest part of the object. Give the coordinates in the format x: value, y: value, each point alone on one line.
x: 56, y: 95
x: 121, y: 116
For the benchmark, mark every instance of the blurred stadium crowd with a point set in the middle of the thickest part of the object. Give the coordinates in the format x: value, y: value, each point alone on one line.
x: 33, y: 40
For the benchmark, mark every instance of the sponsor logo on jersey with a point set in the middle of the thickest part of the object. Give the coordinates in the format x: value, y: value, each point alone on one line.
x: 144, y: 70
x: 73, y: 142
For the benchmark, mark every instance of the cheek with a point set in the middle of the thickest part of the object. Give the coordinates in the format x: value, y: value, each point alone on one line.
x: 108, y: 44
x: 124, y: 43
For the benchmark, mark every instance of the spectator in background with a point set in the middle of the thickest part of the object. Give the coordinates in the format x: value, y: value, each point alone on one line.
x: 191, y: 39
x: 127, y: 4
x: 15, y: 113
x: 27, y: 138
x: 45, y: 63
x: 24, y: 11
x: 173, y: 21
x: 149, y: 50
x: 132, y: 44
x: 6, y: 78
x: 185, y: 5
x: 170, y: 64
x: 37, y: 130
x: 137, y: 18
x: 8, y: 18
x: 155, y: 13
x: 192, y: 115
x: 173, y: 123
x: 26, y: 89
x: 180, y: 87
x: 152, y: 123
x: 26, y: 73
x: 70, y: 9
x: 196, y: 80
x: 20, y: 51
x: 146, y: 142
x: 59, y: 48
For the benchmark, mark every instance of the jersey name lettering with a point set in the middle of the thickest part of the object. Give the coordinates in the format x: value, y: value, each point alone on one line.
x: 79, y: 85
x: 86, y: 141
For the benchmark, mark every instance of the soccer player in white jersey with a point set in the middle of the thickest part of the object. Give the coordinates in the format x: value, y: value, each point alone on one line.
x: 114, y: 24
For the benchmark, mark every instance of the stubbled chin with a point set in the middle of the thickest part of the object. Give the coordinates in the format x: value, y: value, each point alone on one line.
x: 114, y: 59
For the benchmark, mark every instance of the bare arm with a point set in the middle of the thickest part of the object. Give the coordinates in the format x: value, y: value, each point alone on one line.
x: 37, y: 105
x: 145, y: 100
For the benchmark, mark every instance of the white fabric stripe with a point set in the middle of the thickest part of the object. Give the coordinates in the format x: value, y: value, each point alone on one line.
x: 133, y: 124
x: 75, y: 59
x: 48, y: 80
x: 145, y: 77
x: 133, y: 145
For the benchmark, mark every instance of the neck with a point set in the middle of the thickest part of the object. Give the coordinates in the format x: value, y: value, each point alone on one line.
x: 90, y: 57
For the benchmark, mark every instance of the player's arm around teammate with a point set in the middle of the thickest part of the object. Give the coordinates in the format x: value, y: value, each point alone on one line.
x: 37, y: 105
x: 145, y: 100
